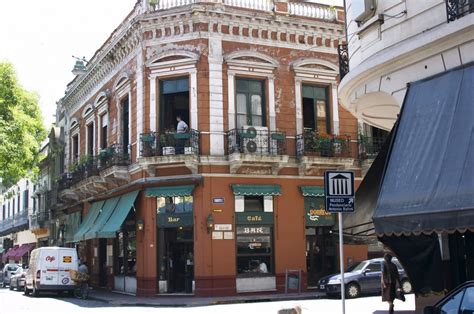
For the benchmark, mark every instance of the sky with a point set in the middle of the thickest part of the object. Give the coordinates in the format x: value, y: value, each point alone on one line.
x: 40, y: 37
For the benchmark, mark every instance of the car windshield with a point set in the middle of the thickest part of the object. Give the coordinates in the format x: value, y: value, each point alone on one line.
x: 356, y: 267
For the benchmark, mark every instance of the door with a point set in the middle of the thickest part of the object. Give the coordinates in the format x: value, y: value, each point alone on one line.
x: 67, y: 260
x: 49, y: 267
x: 102, y: 262
x: 371, y: 277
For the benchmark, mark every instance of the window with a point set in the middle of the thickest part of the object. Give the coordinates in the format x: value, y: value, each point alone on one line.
x: 18, y: 201
x: 125, y: 123
x: 250, y: 103
x: 175, y: 204
x: 90, y: 139
x: 26, y: 197
x: 174, y: 101
x: 467, y: 305
x: 254, y: 250
x: 75, y: 147
x: 13, y: 207
x: 316, y: 112
x: 253, y: 203
x: 103, y: 130
x: 3, y: 211
x: 452, y: 305
x: 126, y: 248
x: 34, y: 205
x: 373, y: 267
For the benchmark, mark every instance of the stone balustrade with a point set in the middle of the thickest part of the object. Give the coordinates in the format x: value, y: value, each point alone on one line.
x: 310, y: 10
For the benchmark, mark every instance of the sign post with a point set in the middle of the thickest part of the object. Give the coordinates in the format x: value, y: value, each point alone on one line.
x: 340, y: 194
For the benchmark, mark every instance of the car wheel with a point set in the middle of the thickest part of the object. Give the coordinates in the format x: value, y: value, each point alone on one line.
x: 406, y: 286
x: 26, y: 291
x: 11, y: 286
x: 352, y: 290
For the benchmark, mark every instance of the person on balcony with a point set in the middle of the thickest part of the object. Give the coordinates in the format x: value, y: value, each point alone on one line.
x: 182, y: 127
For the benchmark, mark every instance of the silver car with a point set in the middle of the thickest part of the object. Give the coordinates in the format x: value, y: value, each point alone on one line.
x: 8, y: 271
x: 17, y: 280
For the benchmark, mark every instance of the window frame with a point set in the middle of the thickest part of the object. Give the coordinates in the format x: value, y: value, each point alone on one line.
x: 248, y: 97
x: 161, y: 82
x: 327, y: 107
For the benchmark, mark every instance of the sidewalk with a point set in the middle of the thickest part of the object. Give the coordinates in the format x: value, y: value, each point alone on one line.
x: 118, y: 299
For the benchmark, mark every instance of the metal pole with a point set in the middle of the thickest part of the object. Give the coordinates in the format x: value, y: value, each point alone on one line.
x: 341, y: 262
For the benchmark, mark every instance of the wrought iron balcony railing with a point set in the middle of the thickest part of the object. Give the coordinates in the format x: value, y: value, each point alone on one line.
x: 39, y: 220
x: 369, y: 147
x: 115, y: 155
x: 311, y: 143
x: 253, y: 141
x: 456, y: 9
x: 21, y: 219
x: 343, y: 52
x: 6, y: 225
x: 169, y: 143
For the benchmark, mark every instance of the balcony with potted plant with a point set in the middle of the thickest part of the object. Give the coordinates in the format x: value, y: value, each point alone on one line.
x: 319, y: 151
x: 169, y: 148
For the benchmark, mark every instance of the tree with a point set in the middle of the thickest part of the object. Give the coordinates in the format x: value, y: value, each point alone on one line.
x: 21, y: 128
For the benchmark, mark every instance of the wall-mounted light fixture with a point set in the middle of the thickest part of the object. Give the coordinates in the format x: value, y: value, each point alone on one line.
x: 140, y: 224
x: 209, y: 223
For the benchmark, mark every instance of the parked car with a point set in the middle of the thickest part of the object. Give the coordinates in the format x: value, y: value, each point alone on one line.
x: 364, y: 277
x: 8, y: 271
x: 49, y: 270
x: 458, y: 301
x: 17, y: 280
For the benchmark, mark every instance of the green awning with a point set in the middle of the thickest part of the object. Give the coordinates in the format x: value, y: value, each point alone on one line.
x: 118, y: 216
x: 169, y: 191
x: 73, y: 221
x: 253, y: 189
x: 88, y: 221
x: 104, y: 216
x: 313, y: 191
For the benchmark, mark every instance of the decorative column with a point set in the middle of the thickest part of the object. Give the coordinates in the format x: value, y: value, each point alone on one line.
x: 271, y: 103
x: 153, y: 125
x: 216, y: 97
x: 298, y: 107
x: 335, y: 108
x: 140, y: 89
x: 231, y: 100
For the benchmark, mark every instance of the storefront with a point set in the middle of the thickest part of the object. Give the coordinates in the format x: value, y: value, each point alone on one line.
x: 321, y: 257
x: 175, y: 238
x: 254, y: 223
x: 110, y: 231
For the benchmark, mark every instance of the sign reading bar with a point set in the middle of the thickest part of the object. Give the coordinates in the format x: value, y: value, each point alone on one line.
x: 173, y: 220
x: 340, y: 191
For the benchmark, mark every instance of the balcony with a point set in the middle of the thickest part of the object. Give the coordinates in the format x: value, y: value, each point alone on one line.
x: 343, y: 52
x: 19, y: 222
x: 39, y: 220
x: 93, y: 174
x: 256, y: 147
x: 369, y: 147
x: 165, y: 148
x: 310, y: 10
x: 317, y: 152
x: 456, y: 9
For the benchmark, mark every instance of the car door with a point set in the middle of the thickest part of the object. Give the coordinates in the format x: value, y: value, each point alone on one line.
x: 451, y: 306
x: 467, y: 305
x: 49, y: 267
x: 66, y: 263
x: 370, y: 279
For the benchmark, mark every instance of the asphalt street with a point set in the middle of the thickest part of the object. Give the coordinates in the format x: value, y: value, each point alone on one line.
x: 15, y: 302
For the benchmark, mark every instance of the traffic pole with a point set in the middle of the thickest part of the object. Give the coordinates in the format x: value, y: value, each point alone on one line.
x: 341, y: 264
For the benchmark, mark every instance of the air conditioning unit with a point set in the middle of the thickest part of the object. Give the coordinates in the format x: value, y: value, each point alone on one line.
x: 255, y: 139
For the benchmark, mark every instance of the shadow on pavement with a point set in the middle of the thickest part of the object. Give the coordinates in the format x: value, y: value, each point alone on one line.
x: 396, y: 312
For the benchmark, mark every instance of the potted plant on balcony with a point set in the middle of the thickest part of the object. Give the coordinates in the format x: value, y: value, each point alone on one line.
x: 147, y: 144
x: 341, y: 145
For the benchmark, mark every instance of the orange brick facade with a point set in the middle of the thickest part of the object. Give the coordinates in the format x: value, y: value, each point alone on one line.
x: 189, y: 50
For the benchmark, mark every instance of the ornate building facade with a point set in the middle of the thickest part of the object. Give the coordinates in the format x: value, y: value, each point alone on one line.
x: 229, y: 201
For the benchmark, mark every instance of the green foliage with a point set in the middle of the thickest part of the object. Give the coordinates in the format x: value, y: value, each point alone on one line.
x: 21, y: 128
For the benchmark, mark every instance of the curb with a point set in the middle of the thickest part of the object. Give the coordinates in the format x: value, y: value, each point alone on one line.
x: 207, y: 303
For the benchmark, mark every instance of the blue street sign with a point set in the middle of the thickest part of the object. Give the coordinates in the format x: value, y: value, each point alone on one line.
x: 339, y: 191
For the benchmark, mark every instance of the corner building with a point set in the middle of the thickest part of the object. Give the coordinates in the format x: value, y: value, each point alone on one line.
x: 234, y: 202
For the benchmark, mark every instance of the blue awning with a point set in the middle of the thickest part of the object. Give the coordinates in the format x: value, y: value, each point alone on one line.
x: 104, y: 215
x: 87, y: 223
x: 118, y: 216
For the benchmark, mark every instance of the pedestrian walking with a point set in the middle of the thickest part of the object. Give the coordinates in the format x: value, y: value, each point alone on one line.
x: 390, y: 282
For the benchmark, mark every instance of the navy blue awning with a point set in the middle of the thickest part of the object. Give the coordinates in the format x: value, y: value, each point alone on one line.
x: 428, y: 182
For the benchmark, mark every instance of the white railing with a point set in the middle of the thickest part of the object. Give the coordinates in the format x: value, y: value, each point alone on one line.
x: 168, y: 4
x: 261, y: 5
x: 312, y: 11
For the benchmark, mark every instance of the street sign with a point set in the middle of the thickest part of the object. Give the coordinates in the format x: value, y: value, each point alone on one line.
x: 339, y: 191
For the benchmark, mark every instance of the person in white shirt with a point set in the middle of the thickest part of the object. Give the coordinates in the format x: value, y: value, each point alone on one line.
x: 182, y: 127
x: 262, y: 268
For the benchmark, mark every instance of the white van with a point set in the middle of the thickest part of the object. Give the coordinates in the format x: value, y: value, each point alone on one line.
x: 49, y: 270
